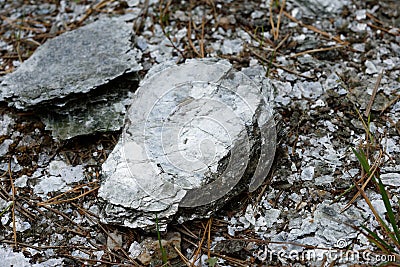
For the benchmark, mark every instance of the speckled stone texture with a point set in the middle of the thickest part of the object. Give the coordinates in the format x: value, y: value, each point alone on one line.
x: 196, y: 135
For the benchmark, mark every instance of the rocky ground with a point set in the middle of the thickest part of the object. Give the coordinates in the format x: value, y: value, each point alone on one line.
x: 333, y: 67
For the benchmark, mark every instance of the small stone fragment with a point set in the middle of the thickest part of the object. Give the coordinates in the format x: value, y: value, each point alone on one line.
x: 114, y: 241
x: 307, y: 174
x: 392, y: 179
x: 321, y: 7
x: 10, y: 258
x: 58, y: 178
x: 151, y: 253
x: 4, y: 146
x: 6, y: 124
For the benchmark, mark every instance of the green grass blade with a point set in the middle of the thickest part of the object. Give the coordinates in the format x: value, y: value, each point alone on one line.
x: 377, y: 240
x: 362, y: 159
x: 270, y: 64
x: 364, y: 163
x: 6, y: 209
x: 389, y: 210
x: 163, y: 252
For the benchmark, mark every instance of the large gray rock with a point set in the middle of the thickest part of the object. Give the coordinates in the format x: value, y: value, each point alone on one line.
x: 196, y: 135
x: 55, y: 80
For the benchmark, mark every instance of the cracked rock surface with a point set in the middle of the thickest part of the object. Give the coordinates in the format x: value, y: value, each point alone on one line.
x: 324, y: 67
x: 193, y: 133
x: 58, y: 80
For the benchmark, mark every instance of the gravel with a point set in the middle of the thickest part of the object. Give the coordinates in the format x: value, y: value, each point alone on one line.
x: 322, y: 68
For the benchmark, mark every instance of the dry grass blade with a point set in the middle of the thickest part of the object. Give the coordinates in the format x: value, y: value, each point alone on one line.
x: 209, y: 240
x: 271, y: 19
x: 255, y: 38
x: 378, y: 218
x: 201, y: 41
x: 163, y: 13
x: 21, y: 27
x: 97, y: 7
x: 275, y: 29
x: 393, y: 235
x: 13, y: 204
x: 281, y: 42
x: 371, y: 101
x: 234, y: 261
x: 368, y: 135
x: 138, y: 24
x: 189, y: 35
x: 389, y: 104
x: 370, y: 176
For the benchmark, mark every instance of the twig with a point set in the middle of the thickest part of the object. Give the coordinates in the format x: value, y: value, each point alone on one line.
x: 187, y: 232
x: 42, y: 247
x: 199, y: 247
x: 81, y: 231
x: 384, y: 30
x: 65, y: 193
x: 369, y: 15
x: 184, y: 259
x: 85, y: 260
x: 261, y: 193
x: 371, y: 101
x: 316, y: 50
x: 69, y: 199
x: 18, y: 206
x: 314, y: 29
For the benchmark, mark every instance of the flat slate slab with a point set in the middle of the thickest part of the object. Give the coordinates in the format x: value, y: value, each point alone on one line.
x: 67, y: 67
x: 196, y: 135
